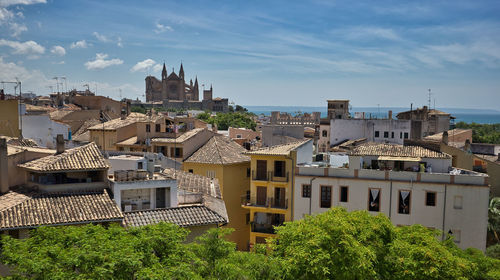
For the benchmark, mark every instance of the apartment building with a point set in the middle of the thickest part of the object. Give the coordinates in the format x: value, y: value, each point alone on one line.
x: 409, y: 184
x: 272, y: 186
x: 224, y: 159
x: 374, y: 130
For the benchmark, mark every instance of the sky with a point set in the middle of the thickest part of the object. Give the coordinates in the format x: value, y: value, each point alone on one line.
x: 268, y: 53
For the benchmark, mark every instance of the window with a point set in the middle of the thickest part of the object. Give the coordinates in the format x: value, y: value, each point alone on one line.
x: 344, y: 194
x: 148, y: 128
x: 457, y: 202
x: 211, y: 174
x: 401, y: 135
x: 158, y: 127
x: 247, y: 218
x: 190, y: 171
x: 238, y: 135
x: 139, y: 165
x: 326, y: 197
x: 392, y: 134
x: 324, y: 133
x: 248, y: 172
x: 404, y: 202
x: 386, y: 134
x: 279, y: 168
x: 406, y: 135
x: 306, y: 190
x: 377, y: 133
x: 430, y: 198
x: 374, y: 200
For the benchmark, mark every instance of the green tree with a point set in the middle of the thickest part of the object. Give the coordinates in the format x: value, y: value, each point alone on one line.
x: 482, y: 133
x: 494, y: 218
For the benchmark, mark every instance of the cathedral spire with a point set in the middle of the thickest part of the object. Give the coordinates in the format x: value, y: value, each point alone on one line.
x: 181, y: 72
x: 164, y: 72
x: 196, y: 82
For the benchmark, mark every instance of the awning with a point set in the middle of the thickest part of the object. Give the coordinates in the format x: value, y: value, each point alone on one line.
x: 399, y: 158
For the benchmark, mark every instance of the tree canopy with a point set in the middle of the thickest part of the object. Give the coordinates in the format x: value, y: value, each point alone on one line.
x: 482, y: 133
x: 230, y: 119
x: 334, y: 245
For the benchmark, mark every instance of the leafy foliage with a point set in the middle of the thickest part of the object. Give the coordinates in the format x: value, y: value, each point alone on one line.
x: 333, y: 245
x: 482, y: 133
x: 233, y: 119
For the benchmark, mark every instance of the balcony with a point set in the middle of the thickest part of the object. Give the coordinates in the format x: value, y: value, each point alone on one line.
x: 263, y: 228
x: 270, y: 203
x: 280, y: 179
x: 261, y: 176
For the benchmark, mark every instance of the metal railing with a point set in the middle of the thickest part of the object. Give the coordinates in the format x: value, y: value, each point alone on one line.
x: 256, y: 176
x: 263, y: 228
x: 270, y: 202
x: 276, y: 178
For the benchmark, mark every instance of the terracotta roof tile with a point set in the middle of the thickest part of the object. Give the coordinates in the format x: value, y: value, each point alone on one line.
x: 184, y: 216
x: 282, y: 150
x: 194, y: 183
x: 183, y: 137
x: 86, y: 157
x: 219, y: 150
x: 38, y: 209
x: 376, y: 149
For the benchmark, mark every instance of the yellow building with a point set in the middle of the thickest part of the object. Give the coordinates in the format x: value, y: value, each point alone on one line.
x: 271, y: 186
x: 223, y: 159
x: 9, y: 118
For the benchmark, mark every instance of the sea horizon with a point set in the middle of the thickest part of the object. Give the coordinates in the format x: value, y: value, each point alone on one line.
x: 482, y: 116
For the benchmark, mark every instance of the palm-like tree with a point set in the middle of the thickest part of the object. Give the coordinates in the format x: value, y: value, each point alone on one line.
x: 494, y: 217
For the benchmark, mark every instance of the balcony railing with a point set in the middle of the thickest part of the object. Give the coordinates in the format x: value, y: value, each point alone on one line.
x: 276, y: 178
x: 269, y: 203
x: 263, y: 228
x: 261, y: 176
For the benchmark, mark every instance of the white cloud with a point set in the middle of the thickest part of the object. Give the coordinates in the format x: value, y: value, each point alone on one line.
x: 143, y: 65
x: 8, y: 19
x: 157, y: 68
x: 33, y: 80
x: 367, y: 32
x: 100, y: 62
x: 119, y: 43
x: 59, y: 62
x: 160, y: 28
x: 28, y: 47
x: 6, y: 3
x: 82, y: 44
x: 17, y: 28
x: 58, y: 50
x: 101, y: 37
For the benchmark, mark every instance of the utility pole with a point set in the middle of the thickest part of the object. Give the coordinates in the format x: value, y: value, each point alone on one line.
x: 429, y: 100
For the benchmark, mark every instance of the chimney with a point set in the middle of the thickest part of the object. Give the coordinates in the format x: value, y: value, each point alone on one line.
x: 59, y: 144
x: 467, y: 146
x: 123, y: 114
x: 445, y: 138
x: 390, y: 115
x: 4, y: 172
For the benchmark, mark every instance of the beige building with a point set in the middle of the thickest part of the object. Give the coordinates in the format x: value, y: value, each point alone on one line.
x: 324, y: 136
x: 426, y: 121
x: 338, y: 109
x: 78, y: 169
x: 9, y: 118
x: 409, y: 184
x: 223, y: 159
x: 182, y: 146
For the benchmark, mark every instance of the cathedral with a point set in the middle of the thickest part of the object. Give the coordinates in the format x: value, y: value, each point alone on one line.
x: 171, y: 87
x: 174, y: 92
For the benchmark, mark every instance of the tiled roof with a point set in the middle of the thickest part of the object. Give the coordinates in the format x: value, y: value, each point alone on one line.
x: 86, y: 157
x: 375, y: 149
x: 219, y: 150
x: 279, y: 150
x: 128, y: 142
x: 119, y: 123
x: 194, y: 183
x: 184, y: 216
x: 31, y: 210
x: 183, y: 137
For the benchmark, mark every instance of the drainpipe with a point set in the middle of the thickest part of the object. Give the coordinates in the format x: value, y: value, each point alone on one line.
x: 444, y: 211
x: 310, y: 195
x: 390, y: 202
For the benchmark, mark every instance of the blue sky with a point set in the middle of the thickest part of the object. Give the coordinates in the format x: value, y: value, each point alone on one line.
x: 262, y: 52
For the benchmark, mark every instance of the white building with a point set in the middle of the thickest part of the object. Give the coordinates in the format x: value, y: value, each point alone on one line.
x: 410, y: 185
x: 136, y: 190
x: 374, y: 130
x: 127, y: 162
x: 44, y: 130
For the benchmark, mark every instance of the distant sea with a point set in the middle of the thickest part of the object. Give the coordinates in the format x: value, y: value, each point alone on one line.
x: 462, y: 115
